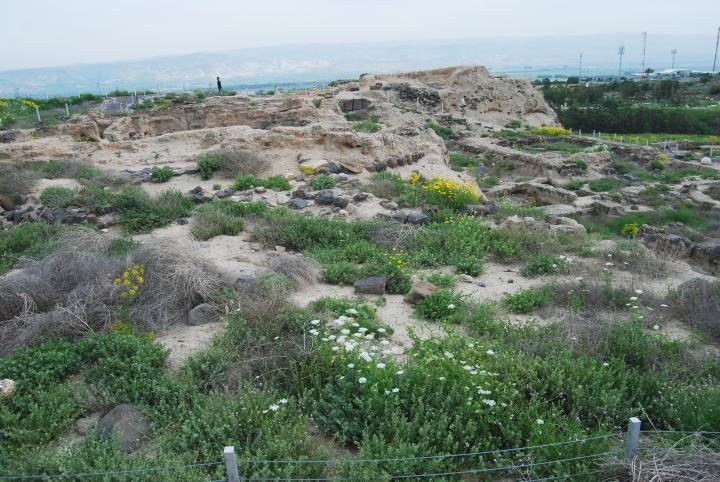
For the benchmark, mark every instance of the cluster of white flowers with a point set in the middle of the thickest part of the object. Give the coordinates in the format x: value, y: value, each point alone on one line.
x: 276, y: 406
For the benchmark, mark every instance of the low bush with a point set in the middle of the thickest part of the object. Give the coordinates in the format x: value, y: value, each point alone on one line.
x: 509, y: 207
x: 604, y: 185
x: 486, y: 182
x: 161, y: 174
x: 460, y: 160
x: 446, y: 281
x: 656, y: 165
x: 697, y: 303
x: 527, y: 300
x: 141, y: 213
x: 443, y: 306
x: 544, y: 264
x: 29, y: 240
x: 208, y: 164
x: 218, y: 217
x: 57, y: 196
x: 249, y: 181
x: 322, y: 181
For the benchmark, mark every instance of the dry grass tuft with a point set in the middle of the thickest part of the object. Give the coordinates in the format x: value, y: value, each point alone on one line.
x: 263, y: 298
x: 697, y: 302
x: 694, y: 459
x: 302, y: 271
x: 240, y: 162
x: 71, y: 292
x: 15, y: 179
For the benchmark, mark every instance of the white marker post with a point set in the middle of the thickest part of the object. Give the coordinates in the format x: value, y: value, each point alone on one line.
x: 37, y: 111
x: 67, y: 110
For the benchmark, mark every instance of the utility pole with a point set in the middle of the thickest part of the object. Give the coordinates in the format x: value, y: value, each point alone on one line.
x: 717, y: 42
x: 644, y: 34
x: 621, y: 52
x: 674, y: 53
x: 580, y: 71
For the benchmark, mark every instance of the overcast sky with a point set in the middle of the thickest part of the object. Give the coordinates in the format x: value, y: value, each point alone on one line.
x: 41, y: 33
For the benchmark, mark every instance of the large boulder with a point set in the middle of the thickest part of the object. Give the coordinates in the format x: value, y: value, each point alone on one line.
x: 420, y: 290
x: 124, y: 424
x: 375, y: 285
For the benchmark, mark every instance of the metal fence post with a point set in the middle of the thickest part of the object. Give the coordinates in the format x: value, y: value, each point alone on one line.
x: 632, y: 438
x: 231, y: 465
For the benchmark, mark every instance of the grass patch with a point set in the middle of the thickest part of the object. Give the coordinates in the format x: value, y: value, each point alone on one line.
x: 604, y: 185
x: 544, y: 264
x: 440, y: 130
x: 141, y: 213
x: 370, y: 125
x: 278, y: 183
x: 29, y: 240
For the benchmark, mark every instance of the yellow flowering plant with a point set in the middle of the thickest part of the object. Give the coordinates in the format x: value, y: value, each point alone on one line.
x: 129, y: 283
x: 449, y: 193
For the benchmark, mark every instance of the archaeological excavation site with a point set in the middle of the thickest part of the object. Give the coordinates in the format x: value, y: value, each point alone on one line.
x: 430, y: 275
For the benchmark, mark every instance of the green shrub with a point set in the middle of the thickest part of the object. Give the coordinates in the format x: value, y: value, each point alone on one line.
x: 657, y: 165
x: 543, y: 264
x: 579, y: 163
x: 440, y: 130
x: 487, y: 182
x: 527, y: 300
x: 217, y: 187
x: 446, y: 281
x: 141, y: 213
x: 370, y: 125
x: 460, y: 160
x: 218, y: 217
x: 322, y: 181
x: 604, y: 185
x: 443, y: 305
x: 161, y: 174
x: 57, y: 196
x: 575, y: 185
x: 30, y: 240
x: 278, y: 183
x: 249, y: 181
x: 208, y: 164
x: 470, y: 266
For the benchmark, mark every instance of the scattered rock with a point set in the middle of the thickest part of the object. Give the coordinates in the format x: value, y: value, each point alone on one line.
x: 297, y: 203
x: 340, y: 201
x: 325, y: 197
x: 361, y: 196
x: 465, y: 278
x: 419, y: 290
x: 374, y: 285
x: 417, y: 218
x: 7, y: 388
x: 125, y: 424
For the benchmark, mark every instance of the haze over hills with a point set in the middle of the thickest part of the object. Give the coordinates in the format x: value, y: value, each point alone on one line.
x: 244, y: 68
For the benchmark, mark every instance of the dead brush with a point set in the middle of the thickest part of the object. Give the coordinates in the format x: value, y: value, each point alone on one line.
x: 631, y: 256
x: 390, y: 234
x: 264, y: 297
x: 300, y: 270
x: 697, y: 302
x: 241, y: 162
x: 15, y: 179
x: 71, y: 292
x: 693, y: 458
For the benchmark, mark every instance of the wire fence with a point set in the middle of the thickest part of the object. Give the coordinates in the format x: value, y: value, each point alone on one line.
x: 630, y: 440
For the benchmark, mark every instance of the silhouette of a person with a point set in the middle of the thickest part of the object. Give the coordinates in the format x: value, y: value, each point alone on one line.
x: 219, y: 85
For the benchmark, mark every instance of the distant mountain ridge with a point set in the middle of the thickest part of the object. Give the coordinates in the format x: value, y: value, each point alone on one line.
x: 324, y: 62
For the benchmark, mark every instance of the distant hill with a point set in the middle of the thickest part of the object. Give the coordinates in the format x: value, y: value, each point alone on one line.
x: 244, y: 68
